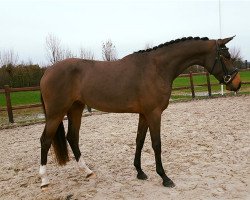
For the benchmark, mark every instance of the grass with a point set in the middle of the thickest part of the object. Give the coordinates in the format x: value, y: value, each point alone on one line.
x: 201, y: 79
x: 184, y: 81
x: 21, y: 98
x: 245, y: 76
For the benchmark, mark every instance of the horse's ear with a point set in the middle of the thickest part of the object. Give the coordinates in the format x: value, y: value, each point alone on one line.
x: 225, y: 40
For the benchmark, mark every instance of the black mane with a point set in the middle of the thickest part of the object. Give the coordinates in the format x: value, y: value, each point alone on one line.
x: 172, y: 42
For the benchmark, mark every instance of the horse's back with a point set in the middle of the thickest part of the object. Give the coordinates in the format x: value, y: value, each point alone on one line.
x: 99, y: 84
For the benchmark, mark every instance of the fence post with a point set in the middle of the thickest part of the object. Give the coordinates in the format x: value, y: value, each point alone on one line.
x: 222, y: 89
x: 8, y: 103
x: 192, y: 84
x: 208, y: 85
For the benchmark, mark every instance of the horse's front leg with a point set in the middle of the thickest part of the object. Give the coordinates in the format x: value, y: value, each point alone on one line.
x: 141, y: 134
x: 154, y: 122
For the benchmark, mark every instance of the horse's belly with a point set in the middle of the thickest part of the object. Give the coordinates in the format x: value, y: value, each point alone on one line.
x: 115, y: 104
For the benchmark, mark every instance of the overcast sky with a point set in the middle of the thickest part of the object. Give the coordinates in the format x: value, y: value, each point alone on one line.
x: 130, y: 24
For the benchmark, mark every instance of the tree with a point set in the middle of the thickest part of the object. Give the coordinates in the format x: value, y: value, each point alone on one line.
x: 86, y: 54
x: 8, y: 57
x: 236, y: 57
x: 67, y: 53
x: 54, y: 49
x: 21, y: 75
x: 8, y: 60
x: 109, y: 51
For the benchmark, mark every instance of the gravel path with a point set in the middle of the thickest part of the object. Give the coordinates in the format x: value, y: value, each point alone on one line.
x: 205, y: 151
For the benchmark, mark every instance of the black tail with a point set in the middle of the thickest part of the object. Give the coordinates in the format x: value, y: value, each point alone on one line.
x: 60, y: 145
x: 59, y: 142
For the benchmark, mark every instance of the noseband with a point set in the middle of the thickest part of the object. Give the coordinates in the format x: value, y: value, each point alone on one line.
x: 228, y: 76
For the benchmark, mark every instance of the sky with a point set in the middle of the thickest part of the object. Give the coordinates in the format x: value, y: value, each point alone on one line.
x: 129, y: 24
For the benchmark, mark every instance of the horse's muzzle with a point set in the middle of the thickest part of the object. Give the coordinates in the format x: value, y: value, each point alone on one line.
x: 233, y: 88
x: 235, y: 84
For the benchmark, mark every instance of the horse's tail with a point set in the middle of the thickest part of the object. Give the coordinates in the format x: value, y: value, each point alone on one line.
x: 43, y: 106
x: 60, y: 145
x: 59, y: 142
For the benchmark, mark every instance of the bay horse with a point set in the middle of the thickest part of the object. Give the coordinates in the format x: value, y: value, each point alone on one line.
x: 138, y: 83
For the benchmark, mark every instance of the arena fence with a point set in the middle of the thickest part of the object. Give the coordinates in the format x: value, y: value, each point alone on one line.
x: 8, y: 90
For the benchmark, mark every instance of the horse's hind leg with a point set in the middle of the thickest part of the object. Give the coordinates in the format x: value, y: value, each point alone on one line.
x: 46, y: 139
x: 45, y: 145
x: 74, y: 118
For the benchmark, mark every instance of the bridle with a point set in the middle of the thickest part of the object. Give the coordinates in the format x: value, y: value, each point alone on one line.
x: 228, y: 76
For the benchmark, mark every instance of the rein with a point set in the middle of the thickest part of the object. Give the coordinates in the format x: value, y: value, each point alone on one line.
x: 228, y: 76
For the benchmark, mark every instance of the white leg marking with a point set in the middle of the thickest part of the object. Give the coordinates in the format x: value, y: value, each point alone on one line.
x: 43, y: 175
x: 82, y: 166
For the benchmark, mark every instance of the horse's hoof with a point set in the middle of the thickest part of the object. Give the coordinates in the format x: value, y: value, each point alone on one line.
x: 168, y: 183
x: 91, y: 175
x: 45, y: 187
x: 142, y: 176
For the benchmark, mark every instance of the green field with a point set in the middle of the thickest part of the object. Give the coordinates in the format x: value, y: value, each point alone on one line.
x: 33, y: 97
x: 21, y: 98
x: 201, y: 79
x: 183, y: 81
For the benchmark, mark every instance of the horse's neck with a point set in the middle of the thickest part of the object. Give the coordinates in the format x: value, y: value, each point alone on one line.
x: 173, y: 61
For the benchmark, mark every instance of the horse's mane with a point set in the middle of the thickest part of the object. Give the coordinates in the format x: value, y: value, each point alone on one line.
x: 172, y: 42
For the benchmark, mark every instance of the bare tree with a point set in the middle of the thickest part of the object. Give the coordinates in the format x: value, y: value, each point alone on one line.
x: 86, y: 54
x: 236, y: 57
x: 109, y: 51
x: 8, y: 57
x: 236, y: 54
x: 67, y: 53
x: 54, y: 49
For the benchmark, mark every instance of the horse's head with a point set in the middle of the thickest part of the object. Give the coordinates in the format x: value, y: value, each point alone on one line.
x: 223, y: 66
